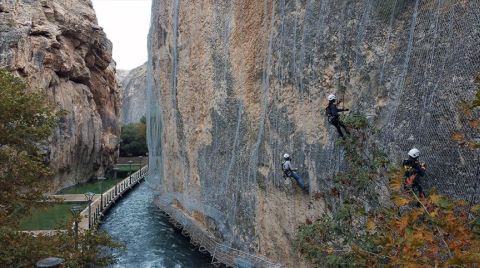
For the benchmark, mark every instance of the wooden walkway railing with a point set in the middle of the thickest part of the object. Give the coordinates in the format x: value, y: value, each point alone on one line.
x: 98, y: 206
x: 221, y: 254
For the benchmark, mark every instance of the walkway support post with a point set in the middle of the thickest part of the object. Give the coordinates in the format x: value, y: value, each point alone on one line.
x: 101, y: 179
x: 130, y: 169
x: 89, y: 196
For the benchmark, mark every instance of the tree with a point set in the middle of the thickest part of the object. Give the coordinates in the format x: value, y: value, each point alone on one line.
x: 27, y: 120
x: 134, y: 139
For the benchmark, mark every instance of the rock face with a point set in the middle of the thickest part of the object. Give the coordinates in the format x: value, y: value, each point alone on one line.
x: 121, y: 74
x: 232, y: 85
x: 134, y: 94
x: 57, y: 46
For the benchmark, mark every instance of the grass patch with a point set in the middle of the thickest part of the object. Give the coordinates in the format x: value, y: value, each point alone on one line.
x: 95, y: 186
x: 126, y: 168
x: 49, y: 218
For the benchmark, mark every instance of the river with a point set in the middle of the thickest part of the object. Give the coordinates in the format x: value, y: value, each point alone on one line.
x: 150, y: 239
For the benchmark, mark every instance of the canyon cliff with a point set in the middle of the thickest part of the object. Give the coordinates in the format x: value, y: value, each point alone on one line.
x: 59, y: 48
x: 133, y: 87
x: 233, y: 85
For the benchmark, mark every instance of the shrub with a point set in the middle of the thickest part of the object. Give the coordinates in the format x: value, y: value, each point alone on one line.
x: 413, y: 232
x: 407, y: 232
x: 356, y: 121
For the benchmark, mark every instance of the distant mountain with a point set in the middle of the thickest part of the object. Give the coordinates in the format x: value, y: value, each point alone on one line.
x: 133, y: 85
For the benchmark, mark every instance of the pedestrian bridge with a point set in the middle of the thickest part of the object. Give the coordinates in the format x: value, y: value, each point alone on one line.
x: 101, y: 203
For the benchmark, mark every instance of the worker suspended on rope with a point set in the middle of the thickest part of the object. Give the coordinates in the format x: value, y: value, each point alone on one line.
x: 289, y: 172
x: 333, y: 115
x: 414, y: 170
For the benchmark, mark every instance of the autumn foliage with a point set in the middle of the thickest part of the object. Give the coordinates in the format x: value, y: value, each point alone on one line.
x: 361, y: 231
x: 433, y: 231
x: 429, y: 232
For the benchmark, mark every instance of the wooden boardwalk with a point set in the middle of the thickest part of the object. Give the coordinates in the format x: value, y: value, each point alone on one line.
x: 98, y: 207
x: 201, y: 238
x: 221, y: 253
x: 71, y: 197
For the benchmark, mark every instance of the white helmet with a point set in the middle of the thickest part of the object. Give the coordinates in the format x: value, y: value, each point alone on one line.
x: 286, y: 156
x: 414, y: 153
x: 331, y: 97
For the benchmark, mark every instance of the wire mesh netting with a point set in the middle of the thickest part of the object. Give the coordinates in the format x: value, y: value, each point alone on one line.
x: 406, y: 64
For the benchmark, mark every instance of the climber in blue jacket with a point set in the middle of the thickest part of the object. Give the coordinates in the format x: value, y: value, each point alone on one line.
x: 289, y: 172
x: 334, y: 117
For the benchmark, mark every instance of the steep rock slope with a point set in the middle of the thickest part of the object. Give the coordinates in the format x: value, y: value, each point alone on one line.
x: 133, y: 88
x: 121, y: 74
x: 57, y: 46
x: 232, y: 85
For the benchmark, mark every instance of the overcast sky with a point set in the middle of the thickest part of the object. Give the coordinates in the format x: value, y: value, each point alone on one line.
x: 126, y: 23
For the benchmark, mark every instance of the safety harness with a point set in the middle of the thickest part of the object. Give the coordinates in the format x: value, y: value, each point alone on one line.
x: 410, y: 172
x: 328, y: 113
x: 286, y: 172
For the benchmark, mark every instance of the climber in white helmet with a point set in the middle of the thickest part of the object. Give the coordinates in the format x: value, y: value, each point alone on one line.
x: 414, y: 170
x: 289, y: 172
x: 333, y: 115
